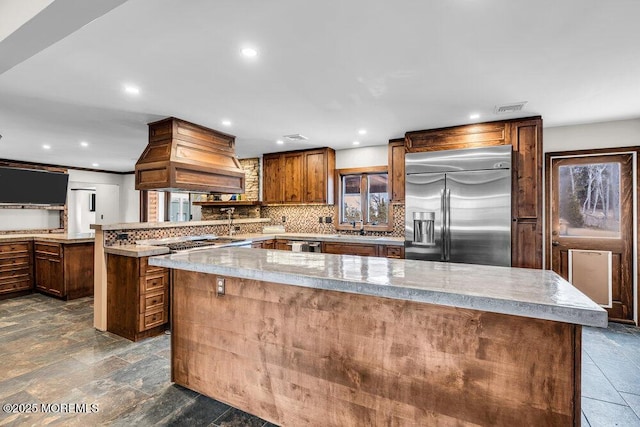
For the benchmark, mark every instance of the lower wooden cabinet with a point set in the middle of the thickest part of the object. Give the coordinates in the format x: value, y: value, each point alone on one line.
x: 16, y: 269
x: 264, y: 244
x: 137, y: 297
x: 282, y: 245
x: 363, y: 249
x: 396, y: 252
x: 350, y: 249
x: 64, y: 270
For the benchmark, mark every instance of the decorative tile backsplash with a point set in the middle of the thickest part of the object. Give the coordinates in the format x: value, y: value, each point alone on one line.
x: 110, y: 237
x: 304, y: 219
x: 299, y: 219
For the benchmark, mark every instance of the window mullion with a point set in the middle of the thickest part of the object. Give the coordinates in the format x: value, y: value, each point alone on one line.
x: 364, y: 196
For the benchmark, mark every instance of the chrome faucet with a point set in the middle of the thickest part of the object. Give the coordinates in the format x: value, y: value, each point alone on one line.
x: 229, y: 212
x: 361, y: 226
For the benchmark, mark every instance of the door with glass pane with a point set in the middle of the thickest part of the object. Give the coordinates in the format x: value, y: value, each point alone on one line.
x: 591, y: 231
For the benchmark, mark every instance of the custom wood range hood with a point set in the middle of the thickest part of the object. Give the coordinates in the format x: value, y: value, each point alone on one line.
x: 183, y: 156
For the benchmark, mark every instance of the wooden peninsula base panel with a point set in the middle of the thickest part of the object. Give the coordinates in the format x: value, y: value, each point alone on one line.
x: 299, y: 356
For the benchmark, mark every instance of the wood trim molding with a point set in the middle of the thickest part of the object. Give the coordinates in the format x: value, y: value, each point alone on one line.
x: 338, y: 194
x: 47, y: 166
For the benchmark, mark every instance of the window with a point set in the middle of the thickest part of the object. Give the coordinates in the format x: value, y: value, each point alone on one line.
x: 364, y: 196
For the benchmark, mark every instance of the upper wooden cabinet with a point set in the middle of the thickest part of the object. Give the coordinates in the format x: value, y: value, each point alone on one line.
x: 305, y: 176
x: 457, y: 137
x: 525, y: 136
x: 396, y: 170
x: 526, y: 195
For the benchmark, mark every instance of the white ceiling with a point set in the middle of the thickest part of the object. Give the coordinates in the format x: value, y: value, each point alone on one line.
x: 325, y: 69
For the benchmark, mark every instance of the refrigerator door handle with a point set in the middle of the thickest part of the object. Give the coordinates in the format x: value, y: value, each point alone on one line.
x: 448, y: 225
x: 443, y: 225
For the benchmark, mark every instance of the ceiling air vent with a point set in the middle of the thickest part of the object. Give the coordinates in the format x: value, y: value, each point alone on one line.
x: 295, y: 137
x: 510, y: 108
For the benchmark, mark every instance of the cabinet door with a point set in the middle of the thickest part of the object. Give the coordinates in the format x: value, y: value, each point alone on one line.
x: 272, y: 179
x: 396, y: 170
x: 49, y: 277
x: 526, y: 232
x: 315, y: 177
x: 457, y: 137
x: 391, y: 251
x: 282, y: 245
x: 293, y: 177
x: 268, y: 244
x: 56, y: 277
x: 42, y: 272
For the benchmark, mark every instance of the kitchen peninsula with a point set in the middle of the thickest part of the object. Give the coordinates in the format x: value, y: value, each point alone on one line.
x: 323, y: 339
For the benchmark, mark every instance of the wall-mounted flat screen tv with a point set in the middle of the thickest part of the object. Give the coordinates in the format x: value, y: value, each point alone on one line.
x: 32, y: 187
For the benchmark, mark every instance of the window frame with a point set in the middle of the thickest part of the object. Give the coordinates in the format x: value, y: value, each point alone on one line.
x: 371, y: 170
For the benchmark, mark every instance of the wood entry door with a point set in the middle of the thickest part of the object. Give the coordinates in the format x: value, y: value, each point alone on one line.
x: 591, y: 215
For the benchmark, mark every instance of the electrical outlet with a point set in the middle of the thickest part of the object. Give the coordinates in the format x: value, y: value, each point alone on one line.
x: 122, y: 236
x: 284, y: 218
x: 320, y: 219
x: 219, y: 286
x: 328, y: 220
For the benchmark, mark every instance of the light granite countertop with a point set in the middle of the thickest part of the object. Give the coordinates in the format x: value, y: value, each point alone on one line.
x: 539, y: 294
x: 137, y: 251
x: 345, y: 238
x: 53, y: 237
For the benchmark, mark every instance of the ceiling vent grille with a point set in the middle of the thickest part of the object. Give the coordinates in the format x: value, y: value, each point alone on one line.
x: 296, y: 137
x: 510, y: 108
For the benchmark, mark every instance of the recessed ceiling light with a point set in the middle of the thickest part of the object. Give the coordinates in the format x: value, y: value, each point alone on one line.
x: 46, y: 146
x: 249, y: 52
x: 362, y: 131
x: 132, y: 90
x: 356, y: 142
x: 279, y: 142
x: 84, y: 143
x: 95, y: 165
x: 474, y: 116
x: 226, y: 122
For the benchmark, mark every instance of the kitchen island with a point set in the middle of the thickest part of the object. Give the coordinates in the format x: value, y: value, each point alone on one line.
x: 320, y: 339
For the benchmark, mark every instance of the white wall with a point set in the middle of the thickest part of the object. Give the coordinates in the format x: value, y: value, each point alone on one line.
x: 116, y: 197
x: 622, y: 133
x: 362, y: 157
x: 79, y: 215
x: 28, y: 219
x: 129, y: 199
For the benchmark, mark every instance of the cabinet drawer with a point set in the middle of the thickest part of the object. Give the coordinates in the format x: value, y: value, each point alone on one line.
x: 155, y: 282
x: 16, y: 272
x: 146, y: 269
x: 350, y: 249
x: 19, y: 284
x: 7, y: 264
x: 51, y: 249
x: 151, y: 301
x: 6, y: 248
x: 152, y: 319
x: 394, y: 252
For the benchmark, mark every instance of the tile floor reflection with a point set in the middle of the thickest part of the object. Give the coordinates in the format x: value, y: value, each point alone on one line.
x: 51, y: 354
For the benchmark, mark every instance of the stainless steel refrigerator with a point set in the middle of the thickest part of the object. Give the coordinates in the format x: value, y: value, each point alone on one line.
x: 458, y: 206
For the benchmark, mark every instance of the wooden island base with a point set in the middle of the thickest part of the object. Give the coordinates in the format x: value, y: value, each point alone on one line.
x: 299, y: 356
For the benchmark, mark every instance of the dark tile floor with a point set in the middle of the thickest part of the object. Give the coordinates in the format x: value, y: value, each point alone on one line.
x: 51, y: 354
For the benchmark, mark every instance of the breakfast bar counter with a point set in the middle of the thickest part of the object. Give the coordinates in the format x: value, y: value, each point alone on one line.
x: 320, y: 339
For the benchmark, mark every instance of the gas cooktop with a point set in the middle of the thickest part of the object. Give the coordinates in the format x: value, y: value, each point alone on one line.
x: 187, y: 243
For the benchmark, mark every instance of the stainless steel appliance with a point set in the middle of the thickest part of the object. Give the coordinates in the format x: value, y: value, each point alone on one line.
x: 193, y: 243
x: 458, y: 206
